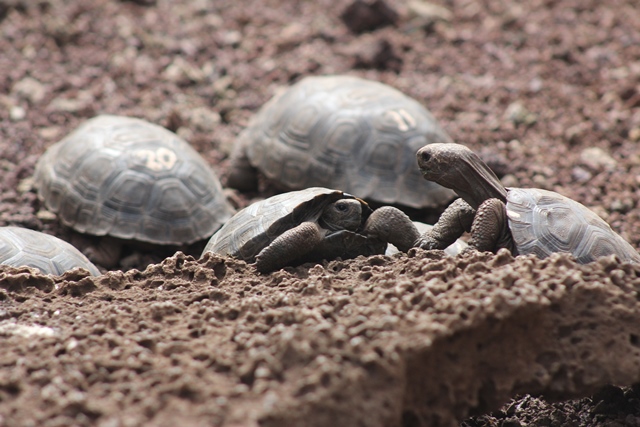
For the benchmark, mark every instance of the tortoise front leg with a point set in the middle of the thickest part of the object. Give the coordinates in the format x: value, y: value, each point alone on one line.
x: 289, y: 246
x: 391, y: 225
x: 490, y: 229
x: 241, y: 175
x: 346, y: 244
x: 453, y: 222
x: 104, y: 251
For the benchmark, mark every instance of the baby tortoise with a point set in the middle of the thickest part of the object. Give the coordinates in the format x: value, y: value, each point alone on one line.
x: 309, y: 225
x: 131, y: 179
x: 343, y: 132
x: 523, y: 220
x: 24, y: 247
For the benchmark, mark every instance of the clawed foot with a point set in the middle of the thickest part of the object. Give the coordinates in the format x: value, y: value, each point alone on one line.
x: 428, y: 243
x: 469, y: 250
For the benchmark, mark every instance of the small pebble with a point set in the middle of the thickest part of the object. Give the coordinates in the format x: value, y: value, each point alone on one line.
x: 17, y: 113
x: 596, y: 158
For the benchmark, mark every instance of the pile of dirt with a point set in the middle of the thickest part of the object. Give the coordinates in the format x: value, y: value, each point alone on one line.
x: 422, y: 338
x: 548, y: 92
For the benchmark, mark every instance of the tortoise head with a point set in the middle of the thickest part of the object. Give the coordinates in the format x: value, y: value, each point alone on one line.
x: 343, y: 214
x: 456, y: 167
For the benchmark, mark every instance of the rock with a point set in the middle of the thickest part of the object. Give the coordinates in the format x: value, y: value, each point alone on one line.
x: 373, y: 53
x: 30, y: 89
x: 596, y: 159
x: 291, y: 36
x: 82, y: 102
x: 429, y: 11
x: 142, y: 2
x: 575, y: 133
x: 17, y: 113
x: 203, y: 119
x: 581, y: 174
x: 362, y: 16
x: 182, y: 72
x: 425, y: 15
x: 481, y: 327
x: 519, y: 115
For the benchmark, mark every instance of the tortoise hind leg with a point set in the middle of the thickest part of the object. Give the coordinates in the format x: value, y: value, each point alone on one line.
x: 291, y: 245
x: 453, y: 222
x: 490, y: 229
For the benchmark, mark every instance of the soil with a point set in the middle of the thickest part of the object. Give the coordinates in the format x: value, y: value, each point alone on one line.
x: 547, y: 91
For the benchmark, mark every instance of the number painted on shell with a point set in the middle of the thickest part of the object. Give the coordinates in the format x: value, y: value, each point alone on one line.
x: 402, y: 119
x: 159, y: 159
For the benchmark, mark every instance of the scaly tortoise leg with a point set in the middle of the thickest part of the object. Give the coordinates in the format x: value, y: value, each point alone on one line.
x: 289, y: 246
x: 453, y: 222
x: 490, y: 229
x: 104, y: 251
x: 391, y: 225
x: 241, y: 175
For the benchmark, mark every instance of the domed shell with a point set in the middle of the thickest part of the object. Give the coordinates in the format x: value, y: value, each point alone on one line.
x: 131, y: 179
x: 257, y: 225
x: 348, y: 133
x: 24, y: 247
x: 543, y: 222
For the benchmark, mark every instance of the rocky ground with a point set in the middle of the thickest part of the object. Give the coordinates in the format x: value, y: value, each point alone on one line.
x: 547, y: 91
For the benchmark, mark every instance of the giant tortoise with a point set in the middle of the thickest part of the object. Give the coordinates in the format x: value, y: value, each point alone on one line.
x: 523, y: 220
x: 342, y: 132
x: 309, y: 225
x: 130, y: 179
x: 49, y: 254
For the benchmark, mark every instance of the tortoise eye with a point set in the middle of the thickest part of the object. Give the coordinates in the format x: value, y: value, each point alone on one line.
x: 342, y: 207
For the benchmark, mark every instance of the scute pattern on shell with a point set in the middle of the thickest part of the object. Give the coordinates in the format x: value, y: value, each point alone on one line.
x: 131, y: 179
x: 544, y: 222
x: 49, y: 254
x: 348, y: 133
x: 257, y: 225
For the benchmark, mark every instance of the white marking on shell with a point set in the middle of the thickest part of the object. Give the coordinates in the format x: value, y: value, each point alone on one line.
x: 403, y: 119
x: 159, y: 159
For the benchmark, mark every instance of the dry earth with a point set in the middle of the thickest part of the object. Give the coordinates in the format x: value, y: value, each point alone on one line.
x: 548, y: 91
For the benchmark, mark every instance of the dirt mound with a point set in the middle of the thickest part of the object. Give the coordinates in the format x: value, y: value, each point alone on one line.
x: 424, y: 338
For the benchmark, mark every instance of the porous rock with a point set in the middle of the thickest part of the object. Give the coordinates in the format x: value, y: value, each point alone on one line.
x: 417, y: 340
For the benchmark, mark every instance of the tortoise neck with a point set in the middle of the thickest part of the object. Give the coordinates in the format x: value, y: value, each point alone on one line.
x: 477, y: 182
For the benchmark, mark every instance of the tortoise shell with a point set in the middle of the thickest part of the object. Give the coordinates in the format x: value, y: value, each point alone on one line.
x: 543, y: 222
x: 24, y: 247
x: 131, y: 179
x: 257, y: 225
x: 344, y: 132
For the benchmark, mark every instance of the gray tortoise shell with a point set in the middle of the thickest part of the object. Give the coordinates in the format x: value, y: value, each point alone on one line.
x: 348, y: 133
x: 543, y: 222
x: 24, y: 247
x: 257, y: 225
x: 131, y: 179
